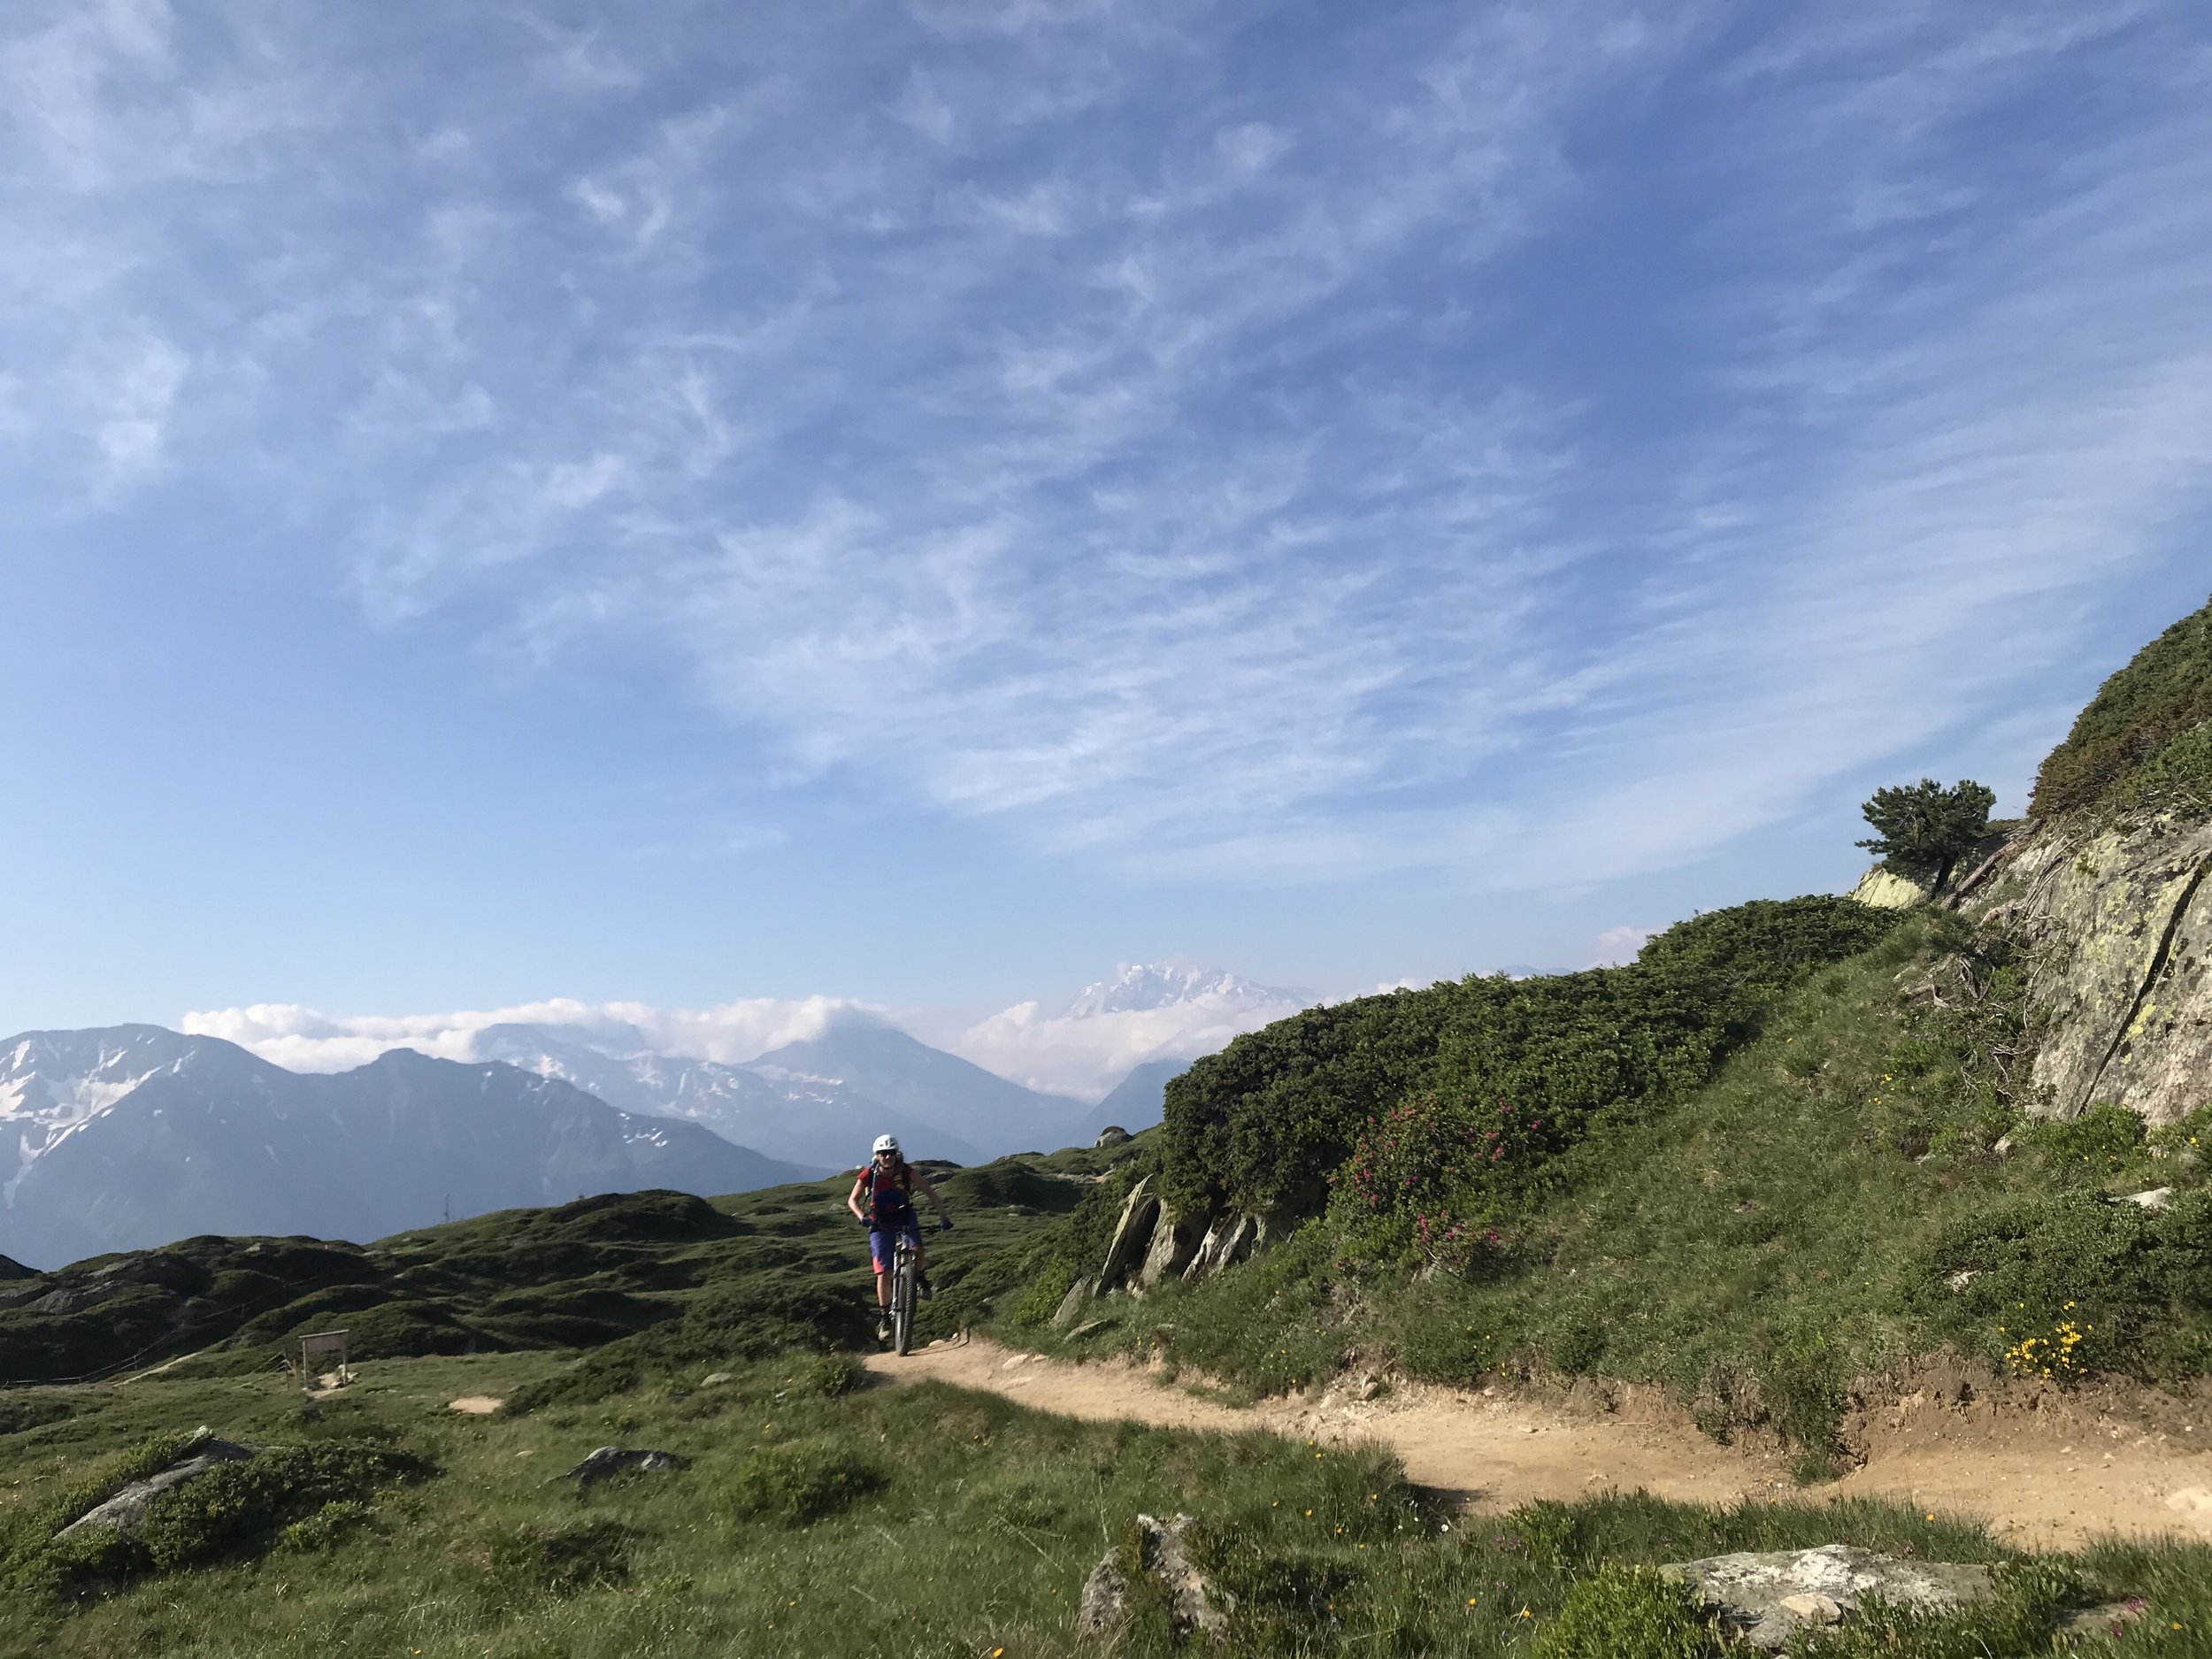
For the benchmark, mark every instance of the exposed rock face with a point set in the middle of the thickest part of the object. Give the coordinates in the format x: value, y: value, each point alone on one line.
x: 1887, y: 891
x: 1765, y: 1597
x: 1228, y: 1240
x: 2116, y: 923
x: 1112, y: 1136
x: 1133, y: 1237
x: 127, y: 1508
x: 1175, y: 1239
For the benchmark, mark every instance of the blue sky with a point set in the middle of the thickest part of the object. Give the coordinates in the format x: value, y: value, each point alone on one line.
x: 921, y: 503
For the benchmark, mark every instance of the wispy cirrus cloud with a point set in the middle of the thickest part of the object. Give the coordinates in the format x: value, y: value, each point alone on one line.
x: 1540, y: 442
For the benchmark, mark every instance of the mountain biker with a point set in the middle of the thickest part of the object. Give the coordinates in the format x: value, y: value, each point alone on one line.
x: 889, y: 1180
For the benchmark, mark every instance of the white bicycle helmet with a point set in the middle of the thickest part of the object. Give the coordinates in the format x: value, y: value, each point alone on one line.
x: 884, y: 1143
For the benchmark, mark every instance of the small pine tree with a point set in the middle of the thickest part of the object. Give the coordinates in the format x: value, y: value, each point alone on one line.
x: 1922, y: 830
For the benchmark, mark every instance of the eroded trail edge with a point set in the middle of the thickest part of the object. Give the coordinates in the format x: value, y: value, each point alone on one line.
x: 2045, y: 1483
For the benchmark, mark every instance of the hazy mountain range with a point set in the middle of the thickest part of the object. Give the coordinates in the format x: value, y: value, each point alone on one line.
x: 133, y: 1135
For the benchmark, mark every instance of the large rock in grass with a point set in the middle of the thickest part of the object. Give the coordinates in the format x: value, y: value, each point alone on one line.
x: 1766, y: 1597
x: 127, y: 1508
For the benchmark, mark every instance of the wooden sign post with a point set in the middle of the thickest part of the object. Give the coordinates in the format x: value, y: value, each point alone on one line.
x: 318, y: 1344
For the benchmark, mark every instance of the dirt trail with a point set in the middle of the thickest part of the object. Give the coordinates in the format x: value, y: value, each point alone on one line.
x: 2041, y: 1482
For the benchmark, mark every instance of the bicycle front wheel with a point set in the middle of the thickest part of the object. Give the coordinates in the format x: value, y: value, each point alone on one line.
x: 902, y: 1301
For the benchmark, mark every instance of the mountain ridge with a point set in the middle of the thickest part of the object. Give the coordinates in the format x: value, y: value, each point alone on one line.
x: 209, y: 1137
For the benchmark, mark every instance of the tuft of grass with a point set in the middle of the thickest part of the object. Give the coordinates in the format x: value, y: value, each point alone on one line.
x: 1632, y: 1612
x: 563, y: 1558
x: 801, y: 1483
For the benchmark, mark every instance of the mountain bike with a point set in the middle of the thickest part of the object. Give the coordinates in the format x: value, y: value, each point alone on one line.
x: 905, y: 1282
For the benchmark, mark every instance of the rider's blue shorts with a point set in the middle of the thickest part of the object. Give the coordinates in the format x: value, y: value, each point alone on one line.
x: 881, y: 1240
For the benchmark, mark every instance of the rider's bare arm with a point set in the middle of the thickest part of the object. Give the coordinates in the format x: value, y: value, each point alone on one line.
x: 922, y: 1180
x: 852, y: 1198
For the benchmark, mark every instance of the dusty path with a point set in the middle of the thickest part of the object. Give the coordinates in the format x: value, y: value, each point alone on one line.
x: 2048, y: 1484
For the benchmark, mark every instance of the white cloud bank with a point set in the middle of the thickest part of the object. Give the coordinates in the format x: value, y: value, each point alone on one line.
x: 303, y: 1039
x: 1144, y: 1013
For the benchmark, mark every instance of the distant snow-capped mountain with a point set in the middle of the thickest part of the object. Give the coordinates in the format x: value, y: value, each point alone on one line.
x: 1147, y: 1012
x: 796, y: 1104
x: 1141, y: 987
x: 132, y: 1136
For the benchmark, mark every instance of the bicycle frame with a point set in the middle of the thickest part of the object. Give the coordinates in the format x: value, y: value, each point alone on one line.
x: 905, y: 1278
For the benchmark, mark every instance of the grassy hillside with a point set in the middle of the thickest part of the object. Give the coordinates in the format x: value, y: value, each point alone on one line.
x: 784, y: 1264
x: 2146, y: 739
x: 1831, y: 1204
x: 1267, y: 1124
x: 817, y: 1516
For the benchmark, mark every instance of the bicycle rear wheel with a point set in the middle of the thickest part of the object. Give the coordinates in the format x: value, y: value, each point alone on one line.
x: 902, y: 1280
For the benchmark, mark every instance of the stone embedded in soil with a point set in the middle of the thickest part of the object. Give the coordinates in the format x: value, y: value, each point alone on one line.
x: 127, y: 1508
x: 609, y: 1460
x: 1765, y: 1596
x: 1194, y: 1607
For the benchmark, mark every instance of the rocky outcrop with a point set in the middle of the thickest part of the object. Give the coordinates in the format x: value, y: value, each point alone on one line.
x: 1227, y: 1240
x: 1194, y: 1607
x: 1766, y: 1597
x: 2116, y: 925
x: 1133, y: 1237
x: 1154, y: 1243
x: 1885, y: 890
x: 1175, y: 1240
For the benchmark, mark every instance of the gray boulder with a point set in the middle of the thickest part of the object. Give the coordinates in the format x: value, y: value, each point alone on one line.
x: 126, y: 1508
x: 1194, y: 1607
x: 609, y: 1461
x: 1071, y: 1305
x: 1765, y: 1597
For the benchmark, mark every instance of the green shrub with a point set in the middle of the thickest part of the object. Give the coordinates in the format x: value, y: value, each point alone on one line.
x: 565, y: 1559
x: 2141, y: 741
x: 752, y: 1318
x: 2136, y: 1283
x: 329, y: 1527
x: 834, y: 1376
x: 1626, y: 1613
x: 239, y: 1508
x: 19, y: 1412
x: 2102, y: 1139
x: 802, y: 1483
x: 1264, y: 1124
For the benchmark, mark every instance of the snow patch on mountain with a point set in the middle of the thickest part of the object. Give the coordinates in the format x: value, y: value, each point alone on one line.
x: 53, y: 1084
